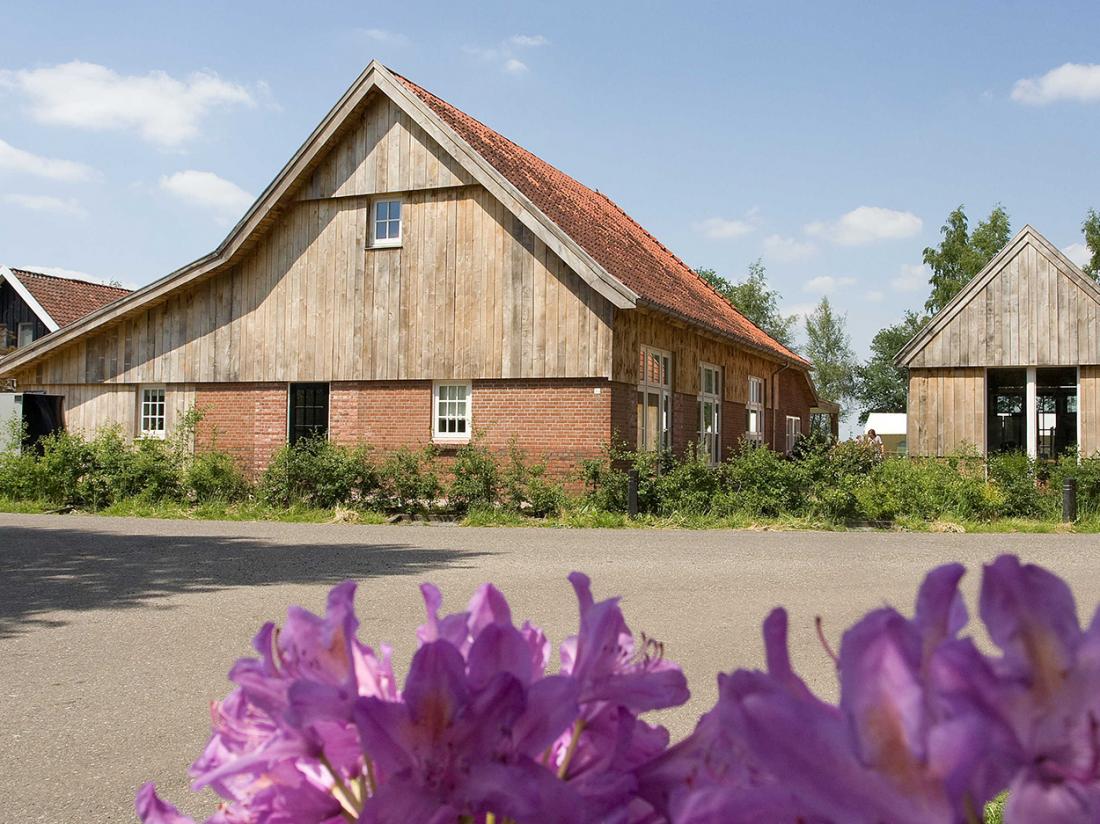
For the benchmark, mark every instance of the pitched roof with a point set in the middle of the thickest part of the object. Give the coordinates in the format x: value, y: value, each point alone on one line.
x: 1027, y: 235
x: 605, y: 231
x: 66, y: 300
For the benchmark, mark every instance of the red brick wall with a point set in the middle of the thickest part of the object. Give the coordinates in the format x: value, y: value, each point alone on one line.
x: 559, y: 421
x: 624, y: 413
x: 247, y: 420
x: 733, y: 427
x: 794, y: 400
x: 383, y: 414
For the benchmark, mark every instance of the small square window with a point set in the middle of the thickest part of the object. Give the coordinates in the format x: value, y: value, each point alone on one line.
x: 451, y: 419
x: 153, y: 417
x: 386, y: 223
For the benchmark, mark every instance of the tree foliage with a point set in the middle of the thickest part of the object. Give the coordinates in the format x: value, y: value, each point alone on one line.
x: 754, y: 299
x: 880, y: 385
x: 829, y: 349
x: 962, y: 253
x: 1091, y: 228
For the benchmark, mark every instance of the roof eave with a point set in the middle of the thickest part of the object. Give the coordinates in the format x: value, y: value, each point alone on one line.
x: 21, y: 289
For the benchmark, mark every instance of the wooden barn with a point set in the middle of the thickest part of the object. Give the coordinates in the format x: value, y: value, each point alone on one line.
x: 1012, y: 363
x: 413, y: 277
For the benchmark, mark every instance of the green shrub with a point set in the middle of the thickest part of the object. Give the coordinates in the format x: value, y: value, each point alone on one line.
x: 319, y: 474
x: 686, y: 487
x: 525, y: 487
x: 214, y: 476
x: 408, y: 481
x: 63, y: 464
x: 605, y: 480
x: 1014, y: 474
x: 759, y: 481
x: 476, y: 483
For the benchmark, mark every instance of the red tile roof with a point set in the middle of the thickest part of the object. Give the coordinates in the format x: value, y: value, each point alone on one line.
x: 606, y: 232
x: 67, y: 300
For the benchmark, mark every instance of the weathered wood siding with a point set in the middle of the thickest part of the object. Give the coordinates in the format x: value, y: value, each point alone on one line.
x: 470, y: 293
x: 1088, y: 404
x: 689, y: 348
x: 383, y: 151
x: 89, y: 407
x: 946, y: 411
x: 1032, y: 312
x: 14, y: 311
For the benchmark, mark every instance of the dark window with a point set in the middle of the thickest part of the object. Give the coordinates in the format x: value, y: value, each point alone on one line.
x: 308, y: 411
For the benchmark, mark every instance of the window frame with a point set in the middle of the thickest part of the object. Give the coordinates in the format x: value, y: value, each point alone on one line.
x: 797, y: 434
x: 711, y: 443
x: 453, y: 437
x: 663, y: 390
x: 292, y: 436
x: 758, y: 406
x: 19, y: 334
x: 142, y: 417
x: 387, y: 242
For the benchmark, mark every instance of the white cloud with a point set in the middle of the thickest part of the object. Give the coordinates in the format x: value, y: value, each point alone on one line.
x: 385, y: 36
x: 1072, y: 81
x: 720, y: 228
x: 528, y: 40
x: 866, y: 224
x: 911, y: 277
x: 69, y: 207
x: 1078, y: 252
x: 504, y: 54
x: 874, y: 296
x: 787, y: 249
x: 162, y: 109
x: 206, y: 190
x: 67, y: 171
x: 827, y: 284
x: 799, y: 309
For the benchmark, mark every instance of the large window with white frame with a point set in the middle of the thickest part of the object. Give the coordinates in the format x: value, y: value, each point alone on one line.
x: 152, y: 418
x: 654, y: 399
x: 710, y: 411
x: 794, y: 432
x: 386, y: 222
x: 451, y: 408
x: 754, y: 411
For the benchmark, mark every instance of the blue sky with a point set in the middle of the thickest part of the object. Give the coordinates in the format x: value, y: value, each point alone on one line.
x: 829, y: 139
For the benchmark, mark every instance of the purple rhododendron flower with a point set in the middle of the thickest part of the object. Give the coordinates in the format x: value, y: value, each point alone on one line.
x: 928, y: 728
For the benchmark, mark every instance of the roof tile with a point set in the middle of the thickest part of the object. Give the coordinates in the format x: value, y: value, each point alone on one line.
x: 68, y: 300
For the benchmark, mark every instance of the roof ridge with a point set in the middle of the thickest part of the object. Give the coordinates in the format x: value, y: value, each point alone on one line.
x: 37, y: 273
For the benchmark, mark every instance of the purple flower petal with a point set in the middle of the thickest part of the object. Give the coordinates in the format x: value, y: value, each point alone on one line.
x: 152, y: 810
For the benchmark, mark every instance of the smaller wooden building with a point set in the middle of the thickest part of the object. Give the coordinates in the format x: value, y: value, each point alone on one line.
x: 34, y: 304
x: 1012, y: 363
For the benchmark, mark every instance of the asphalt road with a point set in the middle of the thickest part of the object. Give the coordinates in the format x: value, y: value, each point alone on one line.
x: 115, y: 634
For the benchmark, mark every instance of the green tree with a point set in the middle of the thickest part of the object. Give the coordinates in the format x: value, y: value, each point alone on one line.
x: 829, y: 349
x: 962, y: 254
x: 1091, y: 228
x: 754, y: 299
x: 881, y: 386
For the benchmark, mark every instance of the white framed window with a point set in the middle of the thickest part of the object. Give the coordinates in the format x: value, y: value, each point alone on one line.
x: 386, y: 222
x: 451, y: 411
x: 152, y: 417
x: 794, y: 432
x: 710, y: 411
x: 26, y: 334
x: 654, y: 399
x: 754, y: 411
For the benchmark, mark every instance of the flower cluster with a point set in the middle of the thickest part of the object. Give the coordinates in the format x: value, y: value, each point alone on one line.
x: 928, y: 728
x: 317, y: 732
